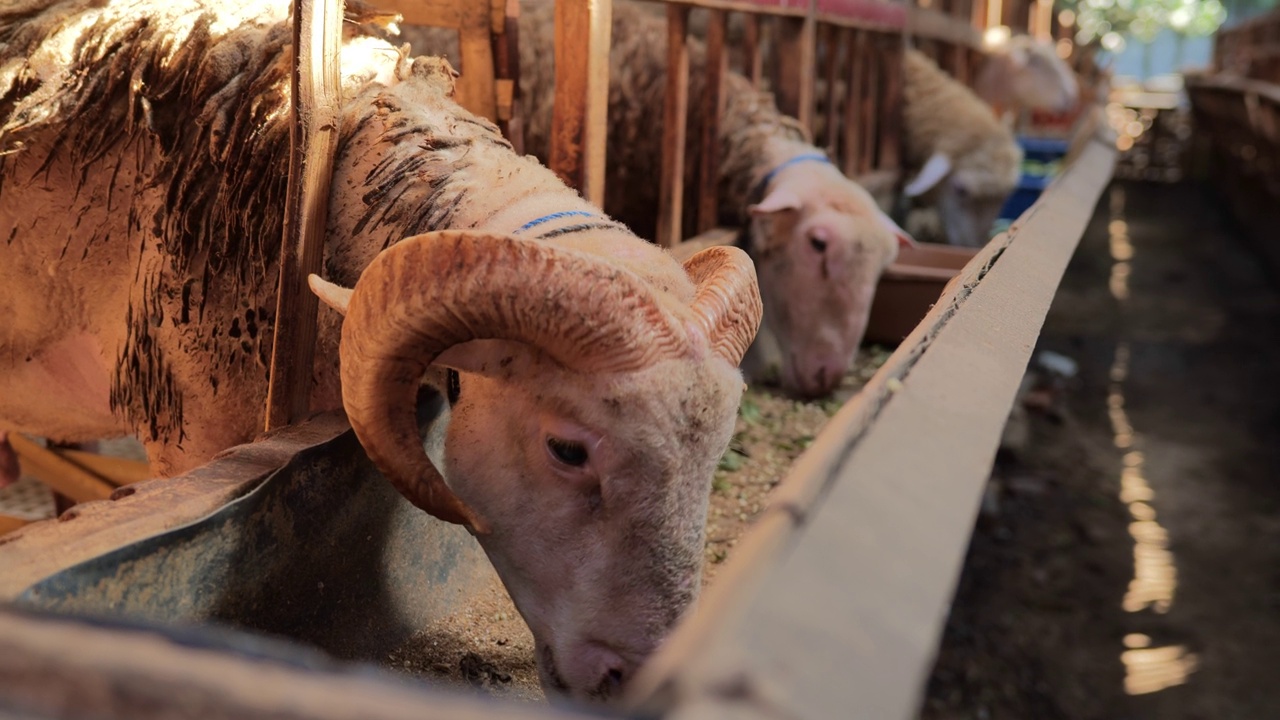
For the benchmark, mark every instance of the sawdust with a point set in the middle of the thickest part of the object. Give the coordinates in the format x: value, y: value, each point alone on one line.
x: 488, y: 649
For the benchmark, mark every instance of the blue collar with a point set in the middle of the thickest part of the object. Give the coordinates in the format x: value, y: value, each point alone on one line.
x: 554, y: 216
x: 757, y: 194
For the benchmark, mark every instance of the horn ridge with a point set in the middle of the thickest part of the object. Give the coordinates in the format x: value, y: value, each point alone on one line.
x: 430, y: 292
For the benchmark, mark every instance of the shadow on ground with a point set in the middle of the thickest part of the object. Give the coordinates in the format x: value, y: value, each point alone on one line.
x: 1130, y: 564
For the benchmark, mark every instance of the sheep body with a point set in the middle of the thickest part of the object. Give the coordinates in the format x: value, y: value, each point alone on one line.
x: 955, y: 138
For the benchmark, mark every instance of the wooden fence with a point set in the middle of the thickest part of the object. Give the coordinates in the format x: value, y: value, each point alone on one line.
x: 1237, y: 115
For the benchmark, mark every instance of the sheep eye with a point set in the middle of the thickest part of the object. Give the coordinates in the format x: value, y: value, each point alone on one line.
x: 573, y: 454
x: 818, y: 244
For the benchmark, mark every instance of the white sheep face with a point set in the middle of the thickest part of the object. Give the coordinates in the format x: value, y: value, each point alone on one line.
x: 820, y: 246
x: 596, y: 490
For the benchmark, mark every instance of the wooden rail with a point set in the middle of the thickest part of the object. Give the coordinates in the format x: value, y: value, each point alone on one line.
x: 1239, y: 118
x: 1250, y: 49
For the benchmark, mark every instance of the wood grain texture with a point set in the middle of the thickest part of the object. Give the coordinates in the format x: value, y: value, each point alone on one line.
x: 316, y: 94
x: 59, y: 473
x: 579, y: 115
x: 713, y: 107
x: 675, y: 119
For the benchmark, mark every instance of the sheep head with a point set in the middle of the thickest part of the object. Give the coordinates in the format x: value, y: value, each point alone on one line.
x: 970, y: 191
x: 588, y: 412
x: 820, y: 244
x: 1025, y: 73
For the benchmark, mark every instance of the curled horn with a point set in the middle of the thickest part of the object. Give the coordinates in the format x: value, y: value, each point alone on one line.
x: 430, y: 292
x: 727, y: 304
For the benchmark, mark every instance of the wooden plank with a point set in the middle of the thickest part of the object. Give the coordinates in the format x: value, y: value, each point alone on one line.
x: 794, y: 62
x: 579, y: 122
x: 674, y: 128
x: 313, y: 139
x: 507, y: 69
x: 68, y: 667
x: 834, y: 602
x: 870, y: 106
x: 753, y: 43
x: 115, y: 470
x: 854, y: 118
x: 8, y: 524
x: 475, y: 86
x: 58, y: 472
x: 891, y: 138
x: 713, y: 108
x: 832, y: 37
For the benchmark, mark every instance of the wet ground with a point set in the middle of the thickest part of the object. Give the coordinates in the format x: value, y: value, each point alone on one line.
x: 1129, y: 566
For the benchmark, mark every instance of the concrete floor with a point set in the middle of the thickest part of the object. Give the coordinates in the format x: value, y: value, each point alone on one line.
x: 1139, y: 577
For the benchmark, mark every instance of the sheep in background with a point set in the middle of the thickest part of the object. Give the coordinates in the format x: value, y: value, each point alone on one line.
x: 818, y: 239
x: 1023, y: 73
x: 592, y: 380
x: 967, y: 160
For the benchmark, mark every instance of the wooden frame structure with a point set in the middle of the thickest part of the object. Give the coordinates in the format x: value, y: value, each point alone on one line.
x: 1237, y: 110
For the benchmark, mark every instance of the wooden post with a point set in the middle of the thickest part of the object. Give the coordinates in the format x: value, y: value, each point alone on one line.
x: 794, y: 63
x: 870, y: 105
x: 675, y: 116
x: 891, y: 110
x: 713, y: 108
x: 854, y: 115
x: 313, y: 138
x: 753, y: 46
x: 579, y: 118
x: 506, y: 62
x: 831, y: 37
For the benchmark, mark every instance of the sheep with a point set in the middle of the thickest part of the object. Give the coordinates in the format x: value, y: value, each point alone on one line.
x: 592, y: 380
x: 966, y: 158
x: 1023, y: 73
x: 818, y: 239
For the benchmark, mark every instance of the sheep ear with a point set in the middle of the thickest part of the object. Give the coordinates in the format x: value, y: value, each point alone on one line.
x: 335, y: 296
x: 937, y: 167
x: 904, y: 237
x: 776, y: 201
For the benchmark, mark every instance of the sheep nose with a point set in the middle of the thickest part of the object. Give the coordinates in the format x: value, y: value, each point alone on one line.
x: 600, y: 670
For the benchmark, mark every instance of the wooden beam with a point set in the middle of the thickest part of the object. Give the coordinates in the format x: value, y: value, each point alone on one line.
x: 579, y: 118
x: 313, y: 139
x: 870, y: 106
x: 891, y: 138
x: 675, y: 117
x: 506, y: 62
x: 795, y: 60
x: 753, y: 46
x: 59, y: 473
x: 831, y: 39
x: 713, y: 108
x: 854, y: 117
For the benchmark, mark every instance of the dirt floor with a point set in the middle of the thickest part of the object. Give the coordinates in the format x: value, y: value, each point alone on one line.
x: 488, y: 648
x: 1127, y: 562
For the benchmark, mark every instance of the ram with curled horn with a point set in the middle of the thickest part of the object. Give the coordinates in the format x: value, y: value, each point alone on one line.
x: 592, y: 380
